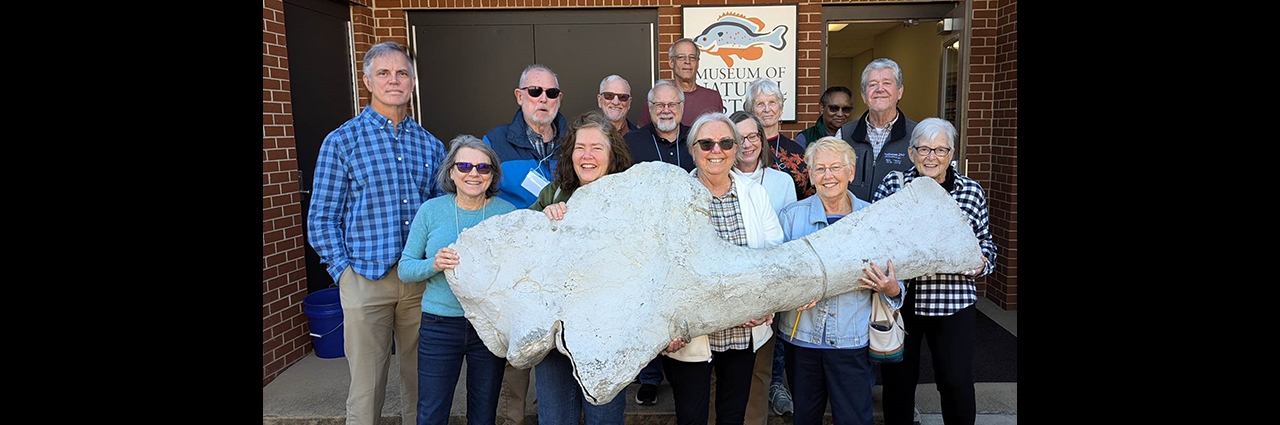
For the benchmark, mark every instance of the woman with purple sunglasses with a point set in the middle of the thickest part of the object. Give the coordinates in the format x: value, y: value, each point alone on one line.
x: 470, y: 178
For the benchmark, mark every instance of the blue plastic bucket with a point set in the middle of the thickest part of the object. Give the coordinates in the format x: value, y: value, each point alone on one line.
x: 324, y: 311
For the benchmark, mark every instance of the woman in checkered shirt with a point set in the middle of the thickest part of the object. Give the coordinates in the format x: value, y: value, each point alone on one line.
x: 939, y: 307
x: 742, y: 214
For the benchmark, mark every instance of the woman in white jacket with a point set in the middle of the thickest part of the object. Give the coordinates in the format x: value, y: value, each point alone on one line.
x: 756, y: 164
x: 743, y: 215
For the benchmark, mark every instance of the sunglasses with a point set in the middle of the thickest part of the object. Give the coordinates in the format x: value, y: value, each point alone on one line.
x: 535, y: 91
x: 620, y: 96
x: 837, y: 108
x: 725, y: 144
x: 465, y: 167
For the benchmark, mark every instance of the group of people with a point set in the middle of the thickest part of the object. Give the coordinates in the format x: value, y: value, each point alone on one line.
x: 389, y: 198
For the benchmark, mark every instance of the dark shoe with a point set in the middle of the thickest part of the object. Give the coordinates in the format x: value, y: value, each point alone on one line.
x: 648, y: 395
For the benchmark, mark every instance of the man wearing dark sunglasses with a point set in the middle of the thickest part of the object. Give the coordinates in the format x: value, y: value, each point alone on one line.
x: 528, y: 144
x: 615, y: 102
x: 527, y: 149
x: 881, y: 136
x: 836, y: 105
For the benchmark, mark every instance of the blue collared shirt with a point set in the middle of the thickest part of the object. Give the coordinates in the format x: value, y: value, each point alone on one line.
x: 370, y: 179
x: 837, y: 322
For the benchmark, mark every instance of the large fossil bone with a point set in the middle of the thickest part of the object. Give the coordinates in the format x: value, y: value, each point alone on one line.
x: 636, y: 263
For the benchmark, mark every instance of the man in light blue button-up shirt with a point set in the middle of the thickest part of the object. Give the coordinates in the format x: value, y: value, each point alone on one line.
x: 372, y: 174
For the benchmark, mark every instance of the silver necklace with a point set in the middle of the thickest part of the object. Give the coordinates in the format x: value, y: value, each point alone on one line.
x: 456, y: 226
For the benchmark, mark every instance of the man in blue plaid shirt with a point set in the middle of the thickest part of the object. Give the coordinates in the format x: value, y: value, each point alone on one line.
x: 372, y: 175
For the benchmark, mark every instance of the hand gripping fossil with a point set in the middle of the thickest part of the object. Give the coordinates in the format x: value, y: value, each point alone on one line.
x: 636, y: 263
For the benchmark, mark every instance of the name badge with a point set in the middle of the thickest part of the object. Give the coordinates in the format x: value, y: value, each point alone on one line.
x: 534, y: 182
x: 893, y: 158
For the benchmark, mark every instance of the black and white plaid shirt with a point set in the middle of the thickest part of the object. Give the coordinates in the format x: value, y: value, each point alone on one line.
x: 944, y: 294
x: 726, y: 216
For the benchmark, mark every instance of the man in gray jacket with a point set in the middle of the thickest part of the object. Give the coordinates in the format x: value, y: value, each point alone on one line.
x: 881, y: 137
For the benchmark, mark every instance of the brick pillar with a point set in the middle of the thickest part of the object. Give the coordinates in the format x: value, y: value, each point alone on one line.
x: 993, y: 136
x: 285, y: 337
x: 1004, y: 199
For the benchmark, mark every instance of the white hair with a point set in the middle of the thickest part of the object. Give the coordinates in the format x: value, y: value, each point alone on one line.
x: 610, y: 78
x: 524, y: 76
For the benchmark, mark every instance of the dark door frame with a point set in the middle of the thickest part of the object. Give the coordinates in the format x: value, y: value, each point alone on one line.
x: 311, y: 26
x: 939, y: 10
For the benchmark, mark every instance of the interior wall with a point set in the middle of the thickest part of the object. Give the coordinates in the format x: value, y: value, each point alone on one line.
x: 839, y: 73
x: 917, y: 50
x: 859, y: 63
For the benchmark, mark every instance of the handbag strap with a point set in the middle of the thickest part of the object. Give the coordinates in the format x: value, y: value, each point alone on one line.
x: 880, y: 310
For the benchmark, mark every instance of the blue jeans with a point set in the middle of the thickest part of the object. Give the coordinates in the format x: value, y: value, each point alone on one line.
x: 443, y: 342
x: 560, y: 399
x: 779, y: 362
x: 841, y: 375
x: 652, y: 373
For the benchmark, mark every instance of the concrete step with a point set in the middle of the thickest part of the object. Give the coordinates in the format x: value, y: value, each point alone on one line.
x: 314, y: 392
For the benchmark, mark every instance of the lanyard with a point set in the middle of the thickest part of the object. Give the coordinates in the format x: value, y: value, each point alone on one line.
x: 539, y: 166
x: 659, y: 151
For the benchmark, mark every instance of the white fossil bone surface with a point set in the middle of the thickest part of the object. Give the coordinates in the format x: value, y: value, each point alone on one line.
x: 636, y: 263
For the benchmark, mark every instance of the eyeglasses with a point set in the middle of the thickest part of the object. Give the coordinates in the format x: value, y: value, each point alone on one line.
x: 620, y: 96
x: 685, y: 57
x: 660, y: 106
x: 835, y: 169
x: 924, y: 151
x: 707, y: 144
x: 535, y: 91
x: 837, y: 108
x: 752, y: 137
x: 466, y: 167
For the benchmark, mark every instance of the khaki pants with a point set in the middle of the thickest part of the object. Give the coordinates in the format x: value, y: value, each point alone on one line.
x: 512, y: 395
x: 373, y: 312
x: 758, y: 405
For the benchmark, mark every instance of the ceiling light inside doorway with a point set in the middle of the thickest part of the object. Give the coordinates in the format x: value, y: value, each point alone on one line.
x: 835, y: 27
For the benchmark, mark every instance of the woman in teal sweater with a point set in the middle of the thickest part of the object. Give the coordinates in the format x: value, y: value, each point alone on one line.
x: 594, y: 149
x: 470, y: 176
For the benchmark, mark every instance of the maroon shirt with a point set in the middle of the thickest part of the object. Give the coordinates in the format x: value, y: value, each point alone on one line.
x: 700, y: 101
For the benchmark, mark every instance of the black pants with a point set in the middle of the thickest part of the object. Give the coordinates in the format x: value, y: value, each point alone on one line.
x: 951, y: 344
x: 691, y: 385
x: 843, y: 376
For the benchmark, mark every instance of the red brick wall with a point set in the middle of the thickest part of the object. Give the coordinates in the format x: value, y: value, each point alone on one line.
x: 285, y: 337
x: 363, y: 24
x: 993, y: 91
x: 1004, y: 200
x: 993, y: 135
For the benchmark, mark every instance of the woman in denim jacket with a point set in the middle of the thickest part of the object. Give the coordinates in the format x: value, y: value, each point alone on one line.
x: 827, y: 354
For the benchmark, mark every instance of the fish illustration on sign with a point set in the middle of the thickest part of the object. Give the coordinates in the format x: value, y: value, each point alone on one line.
x: 737, y: 35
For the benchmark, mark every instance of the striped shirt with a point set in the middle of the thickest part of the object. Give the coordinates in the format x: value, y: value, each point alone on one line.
x: 726, y: 216
x: 370, y: 179
x: 945, y: 294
